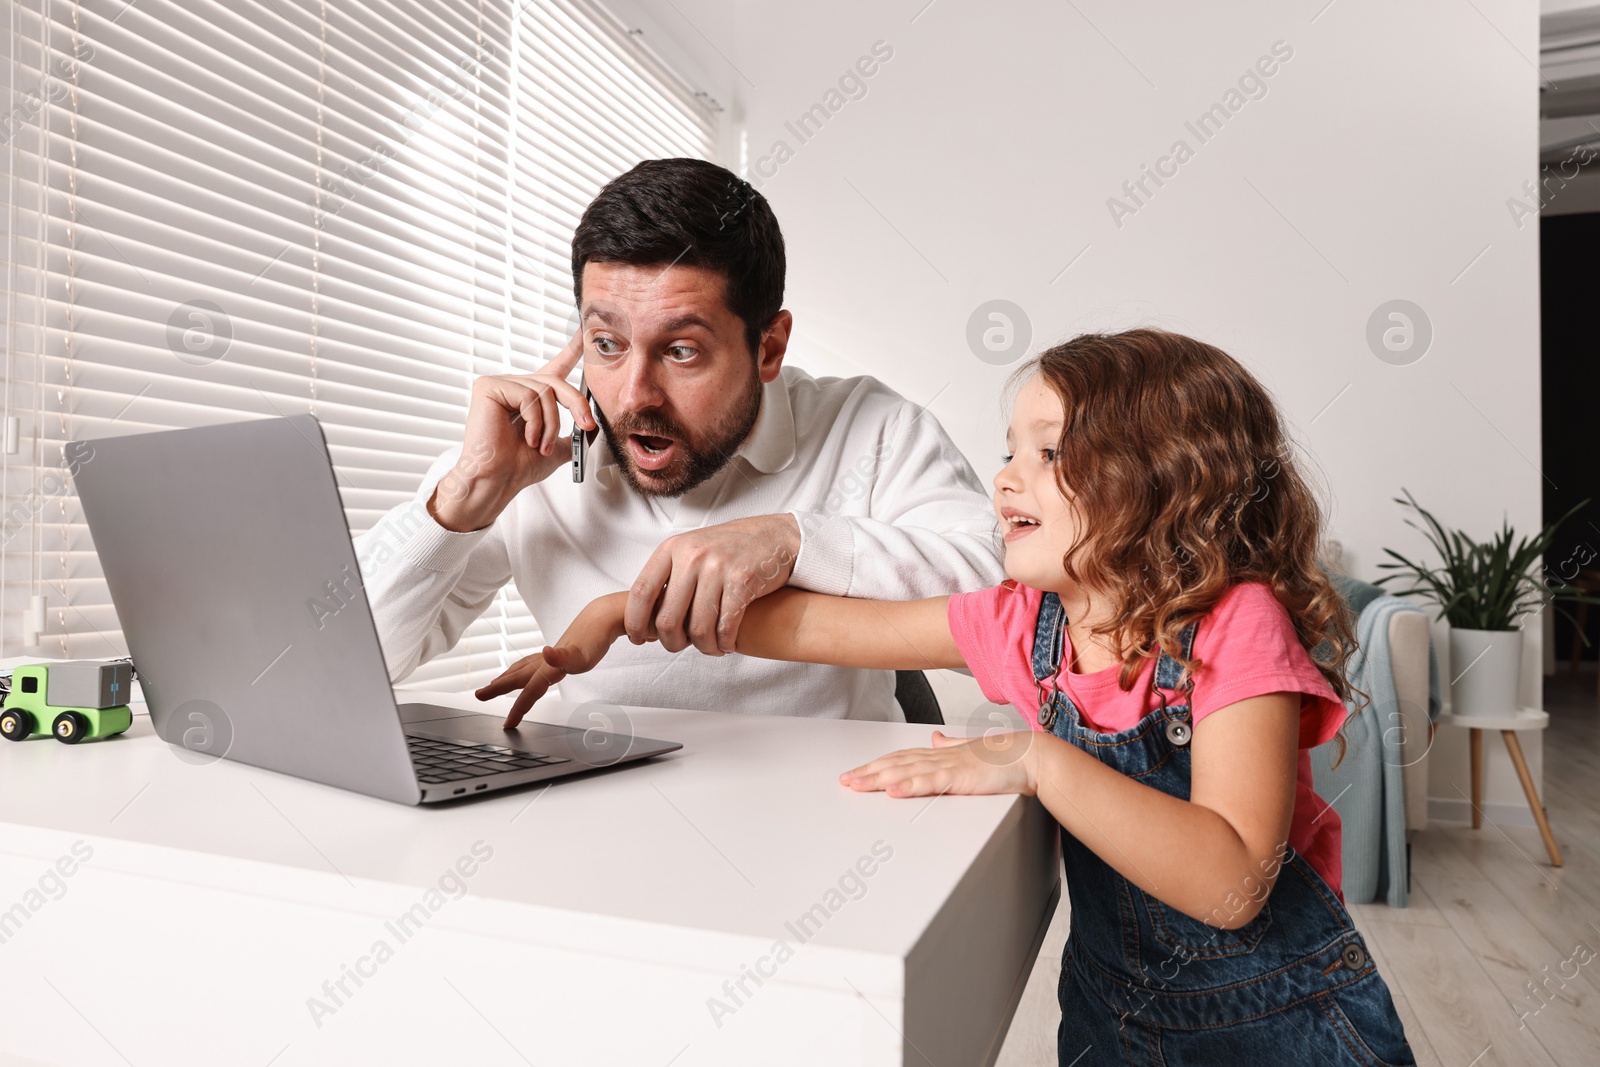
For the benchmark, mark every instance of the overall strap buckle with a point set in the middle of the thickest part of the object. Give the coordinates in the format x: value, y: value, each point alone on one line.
x: 1048, y: 647
x: 1169, y: 675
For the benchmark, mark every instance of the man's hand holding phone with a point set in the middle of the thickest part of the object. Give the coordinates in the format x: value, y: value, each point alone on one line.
x: 581, y: 439
x: 513, y: 440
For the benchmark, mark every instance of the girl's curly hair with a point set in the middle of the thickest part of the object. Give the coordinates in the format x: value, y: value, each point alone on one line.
x: 1178, y: 463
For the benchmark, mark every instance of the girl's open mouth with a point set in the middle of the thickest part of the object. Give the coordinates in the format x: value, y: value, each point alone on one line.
x: 1017, y: 525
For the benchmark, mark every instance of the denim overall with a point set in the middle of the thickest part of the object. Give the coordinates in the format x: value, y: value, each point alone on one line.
x: 1142, y: 983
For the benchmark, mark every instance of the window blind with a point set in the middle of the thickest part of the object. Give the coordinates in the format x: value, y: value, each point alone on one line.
x: 350, y: 208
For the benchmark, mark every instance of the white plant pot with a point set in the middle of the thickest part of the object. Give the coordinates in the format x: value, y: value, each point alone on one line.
x: 1485, y: 666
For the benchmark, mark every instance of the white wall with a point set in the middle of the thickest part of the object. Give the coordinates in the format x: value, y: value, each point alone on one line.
x: 979, y: 164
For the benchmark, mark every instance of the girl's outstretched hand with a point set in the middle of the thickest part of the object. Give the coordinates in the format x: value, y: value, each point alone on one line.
x: 583, y: 646
x: 994, y: 763
x: 535, y: 674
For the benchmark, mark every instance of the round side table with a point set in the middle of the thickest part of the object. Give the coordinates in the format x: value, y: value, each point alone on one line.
x: 1508, y: 725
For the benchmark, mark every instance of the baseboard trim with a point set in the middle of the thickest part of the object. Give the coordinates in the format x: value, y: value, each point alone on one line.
x: 1448, y: 809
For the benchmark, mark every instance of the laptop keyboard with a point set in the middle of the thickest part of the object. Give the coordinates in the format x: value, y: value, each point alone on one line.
x: 451, y: 761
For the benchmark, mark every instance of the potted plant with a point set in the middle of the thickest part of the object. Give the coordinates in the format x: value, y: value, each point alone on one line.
x: 1484, y: 591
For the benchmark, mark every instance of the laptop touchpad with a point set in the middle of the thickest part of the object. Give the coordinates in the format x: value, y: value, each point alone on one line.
x: 452, y: 724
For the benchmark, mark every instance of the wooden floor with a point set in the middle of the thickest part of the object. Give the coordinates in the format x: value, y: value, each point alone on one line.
x: 1489, y: 919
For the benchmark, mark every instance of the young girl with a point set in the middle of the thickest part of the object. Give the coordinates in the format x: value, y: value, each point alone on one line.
x: 1169, y: 631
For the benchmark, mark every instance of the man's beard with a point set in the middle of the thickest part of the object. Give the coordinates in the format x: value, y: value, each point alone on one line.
x: 699, y: 456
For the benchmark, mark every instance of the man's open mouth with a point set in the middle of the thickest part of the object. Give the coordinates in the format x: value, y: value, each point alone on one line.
x: 654, y: 444
x: 650, y: 452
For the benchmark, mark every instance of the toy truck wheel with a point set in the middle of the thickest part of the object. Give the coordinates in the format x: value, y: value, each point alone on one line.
x: 15, y: 725
x: 70, y: 727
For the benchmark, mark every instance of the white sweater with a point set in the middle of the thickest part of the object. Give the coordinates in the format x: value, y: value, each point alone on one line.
x: 888, y: 509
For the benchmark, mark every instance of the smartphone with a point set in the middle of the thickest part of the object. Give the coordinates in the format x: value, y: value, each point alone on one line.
x: 580, y: 437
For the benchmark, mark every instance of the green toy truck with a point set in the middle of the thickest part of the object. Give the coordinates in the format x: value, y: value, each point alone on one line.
x: 78, y: 700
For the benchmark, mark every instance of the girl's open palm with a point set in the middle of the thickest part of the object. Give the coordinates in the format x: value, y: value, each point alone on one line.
x: 994, y: 763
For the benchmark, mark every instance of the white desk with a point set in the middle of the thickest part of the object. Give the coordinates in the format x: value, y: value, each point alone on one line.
x: 219, y: 899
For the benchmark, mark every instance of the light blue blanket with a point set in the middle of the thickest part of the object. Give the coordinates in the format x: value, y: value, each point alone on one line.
x: 1366, y: 788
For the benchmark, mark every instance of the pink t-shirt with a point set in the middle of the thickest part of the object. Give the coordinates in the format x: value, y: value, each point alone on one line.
x: 1247, y: 648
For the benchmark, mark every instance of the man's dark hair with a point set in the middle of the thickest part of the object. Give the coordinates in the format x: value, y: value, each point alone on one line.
x: 691, y: 212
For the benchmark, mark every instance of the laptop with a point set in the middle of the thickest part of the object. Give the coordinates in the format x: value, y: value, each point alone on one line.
x: 231, y: 566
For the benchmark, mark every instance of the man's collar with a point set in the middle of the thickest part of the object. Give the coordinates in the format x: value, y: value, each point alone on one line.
x: 769, y: 447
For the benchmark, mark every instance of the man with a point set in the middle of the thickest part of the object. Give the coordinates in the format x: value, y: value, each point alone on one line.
x: 718, y: 475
